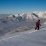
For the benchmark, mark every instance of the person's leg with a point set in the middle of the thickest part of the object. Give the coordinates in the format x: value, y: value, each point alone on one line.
x: 35, y: 27
x: 38, y: 28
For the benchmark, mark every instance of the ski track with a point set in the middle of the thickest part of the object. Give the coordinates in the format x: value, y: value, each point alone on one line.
x: 17, y: 35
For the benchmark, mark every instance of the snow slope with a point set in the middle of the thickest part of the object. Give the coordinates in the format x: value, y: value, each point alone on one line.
x: 27, y: 38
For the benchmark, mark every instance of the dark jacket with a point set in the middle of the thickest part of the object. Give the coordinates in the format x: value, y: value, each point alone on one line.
x: 37, y: 23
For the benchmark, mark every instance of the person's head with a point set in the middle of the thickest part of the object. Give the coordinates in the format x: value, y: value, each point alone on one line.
x: 38, y: 20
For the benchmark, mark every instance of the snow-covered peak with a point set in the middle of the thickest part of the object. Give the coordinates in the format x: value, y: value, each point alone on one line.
x: 41, y: 14
x: 10, y: 16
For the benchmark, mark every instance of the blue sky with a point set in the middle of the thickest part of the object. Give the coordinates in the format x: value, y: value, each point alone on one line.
x: 21, y: 6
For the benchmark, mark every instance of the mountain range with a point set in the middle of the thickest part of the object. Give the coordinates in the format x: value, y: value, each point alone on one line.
x: 23, y: 16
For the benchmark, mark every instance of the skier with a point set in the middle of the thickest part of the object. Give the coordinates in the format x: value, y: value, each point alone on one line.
x: 37, y: 25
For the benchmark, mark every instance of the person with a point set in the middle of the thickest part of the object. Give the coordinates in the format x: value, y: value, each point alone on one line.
x: 37, y: 25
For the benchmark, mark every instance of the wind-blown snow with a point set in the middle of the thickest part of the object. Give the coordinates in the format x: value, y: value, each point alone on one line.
x: 27, y: 38
x: 44, y: 23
